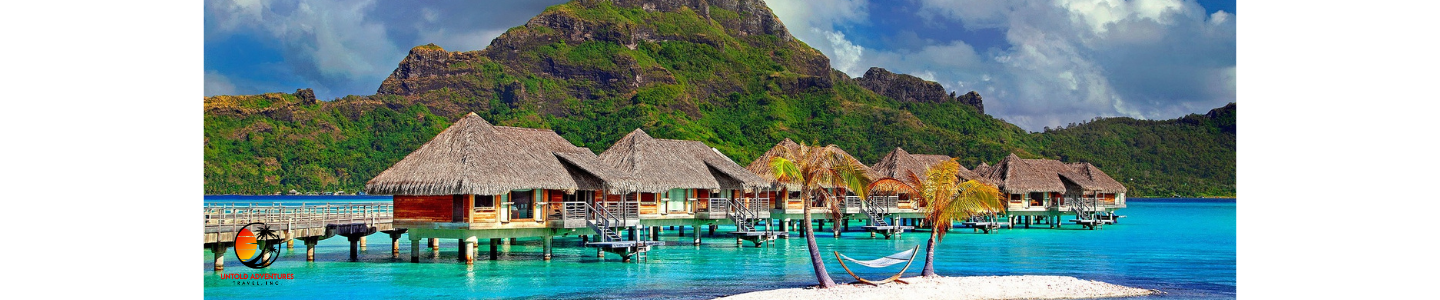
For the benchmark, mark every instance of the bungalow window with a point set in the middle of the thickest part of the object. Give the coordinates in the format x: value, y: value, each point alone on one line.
x: 1036, y: 199
x: 485, y: 201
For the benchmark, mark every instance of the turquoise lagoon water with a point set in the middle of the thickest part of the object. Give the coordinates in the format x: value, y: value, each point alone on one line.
x: 1184, y: 247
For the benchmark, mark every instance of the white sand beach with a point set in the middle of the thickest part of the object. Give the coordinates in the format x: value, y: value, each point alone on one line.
x: 969, y: 287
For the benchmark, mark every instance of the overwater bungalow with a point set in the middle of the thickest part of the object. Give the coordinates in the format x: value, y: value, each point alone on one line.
x: 785, y: 200
x: 899, y: 164
x: 1050, y: 188
x: 686, y: 183
x: 477, y: 181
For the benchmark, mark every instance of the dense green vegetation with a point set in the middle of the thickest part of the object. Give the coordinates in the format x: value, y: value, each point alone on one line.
x: 1189, y: 156
x: 694, y: 80
x: 321, y: 147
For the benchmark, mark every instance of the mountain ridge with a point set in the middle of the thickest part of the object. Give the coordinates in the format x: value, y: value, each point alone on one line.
x: 594, y: 70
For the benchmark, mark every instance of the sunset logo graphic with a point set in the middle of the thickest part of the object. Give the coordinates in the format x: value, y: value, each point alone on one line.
x: 256, y: 246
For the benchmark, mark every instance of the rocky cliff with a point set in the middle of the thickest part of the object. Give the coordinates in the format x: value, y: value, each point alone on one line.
x: 909, y: 88
x: 587, y: 50
x: 268, y: 103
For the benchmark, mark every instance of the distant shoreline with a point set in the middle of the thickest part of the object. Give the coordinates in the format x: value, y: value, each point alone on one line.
x: 966, y: 287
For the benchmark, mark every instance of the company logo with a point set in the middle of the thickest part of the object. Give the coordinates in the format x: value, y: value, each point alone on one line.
x: 257, y: 246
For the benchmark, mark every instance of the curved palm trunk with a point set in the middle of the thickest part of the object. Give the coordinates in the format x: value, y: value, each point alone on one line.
x: 929, y: 270
x: 820, y: 274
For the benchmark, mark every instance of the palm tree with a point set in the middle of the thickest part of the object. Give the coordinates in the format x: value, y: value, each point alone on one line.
x: 814, y: 167
x: 944, y: 199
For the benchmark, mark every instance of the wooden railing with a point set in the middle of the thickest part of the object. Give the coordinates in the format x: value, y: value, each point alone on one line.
x: 715, y: 205
x: 231, y: 217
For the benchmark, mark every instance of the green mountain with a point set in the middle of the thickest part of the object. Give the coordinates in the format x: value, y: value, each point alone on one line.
x: 723, y: 72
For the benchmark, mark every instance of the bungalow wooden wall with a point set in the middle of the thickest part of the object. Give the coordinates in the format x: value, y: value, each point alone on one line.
x: 648, y: 205
x: 424, y: 208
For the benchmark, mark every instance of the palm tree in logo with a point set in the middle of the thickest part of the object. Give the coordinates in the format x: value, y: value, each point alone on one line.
x: 264, y: 236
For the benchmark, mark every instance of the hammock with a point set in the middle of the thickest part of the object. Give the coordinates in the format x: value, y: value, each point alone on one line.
x: 907, y: 257
x: 883, y: 261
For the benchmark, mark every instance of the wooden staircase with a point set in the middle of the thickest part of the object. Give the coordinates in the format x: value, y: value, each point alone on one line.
x: 745, y: 213
x: 1085, y: 212
x: 608, y: 221
x: 879, y: 207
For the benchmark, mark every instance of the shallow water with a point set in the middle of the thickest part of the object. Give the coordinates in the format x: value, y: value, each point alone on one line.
x: 1184, y: 247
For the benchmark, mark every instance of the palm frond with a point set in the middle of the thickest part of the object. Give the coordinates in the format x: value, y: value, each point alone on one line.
x: 786, y: 171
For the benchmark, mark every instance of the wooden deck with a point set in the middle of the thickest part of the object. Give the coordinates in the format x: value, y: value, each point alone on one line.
x: 1090, y: 224
x: 986, y: 226
x: 223, y: 221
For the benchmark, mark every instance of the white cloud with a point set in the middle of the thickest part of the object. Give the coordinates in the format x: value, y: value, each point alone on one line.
x: 1219, y: 17
x: 345, y: 47
x: 1100, y: 13
x: 217, y: 84
x: 331, y: 43
x: 818, y: 26
x: 806, y: 14
x: 1072, y: 60
x: 844, y: 56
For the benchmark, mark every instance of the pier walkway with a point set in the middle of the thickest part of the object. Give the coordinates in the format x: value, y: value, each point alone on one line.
x: 309, y: 223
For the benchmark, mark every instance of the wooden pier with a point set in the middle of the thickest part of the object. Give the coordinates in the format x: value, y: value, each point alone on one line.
x: 986, y: 226
x: 309, y: 223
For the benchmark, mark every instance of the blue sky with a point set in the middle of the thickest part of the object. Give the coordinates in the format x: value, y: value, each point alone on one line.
x: 1036, y: 63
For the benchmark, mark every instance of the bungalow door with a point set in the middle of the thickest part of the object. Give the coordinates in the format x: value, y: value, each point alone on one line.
x: 522, y: 205
x: 457, y: 208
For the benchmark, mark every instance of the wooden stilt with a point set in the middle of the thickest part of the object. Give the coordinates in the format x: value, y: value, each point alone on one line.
x: 697, y: 234
x: 414, y: 250
x: 394, y: 245
x: 467, y: 250
x: 547, y: 246
x: 310, y: 243
x: 217, y: 252
x: 354, y: 247
x: 494, y: 249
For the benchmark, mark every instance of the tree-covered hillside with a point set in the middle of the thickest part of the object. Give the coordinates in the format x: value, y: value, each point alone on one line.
x: 727, y: 74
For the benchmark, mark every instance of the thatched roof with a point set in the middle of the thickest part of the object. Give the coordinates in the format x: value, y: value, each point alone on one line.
x: 899, y: 163
x: 658, y: 165
x: 1100, y: 181
x: 474, y: 157
x: 1017, y: 175
x: 983, y: 168
x: 761, y: 165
